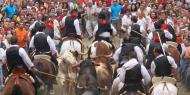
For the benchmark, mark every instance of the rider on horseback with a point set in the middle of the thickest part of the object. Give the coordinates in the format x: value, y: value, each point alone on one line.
x: 122, y: 53
x: 17, y: 58
x: 135, y: 31
x: 163, y: 65
x: 104, y: 30
x: 44, y: 44
x: 72, y: 26
x: 155, y: 41
x: 132, y: 73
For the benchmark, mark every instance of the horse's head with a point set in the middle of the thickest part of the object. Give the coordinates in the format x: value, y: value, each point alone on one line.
x: 88, y: 65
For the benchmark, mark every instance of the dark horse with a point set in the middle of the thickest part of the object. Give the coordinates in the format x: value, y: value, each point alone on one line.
x: 44, y: 65
x: 87, y: 81
x: 19, y: 83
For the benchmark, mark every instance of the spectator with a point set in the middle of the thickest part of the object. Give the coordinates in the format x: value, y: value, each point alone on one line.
x: 10, y: 10
x: 115, y: 10
x: 22, y: 35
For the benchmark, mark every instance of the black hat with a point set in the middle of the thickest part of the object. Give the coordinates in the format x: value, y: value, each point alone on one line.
x: 74, y: 10
x: 40, y: 26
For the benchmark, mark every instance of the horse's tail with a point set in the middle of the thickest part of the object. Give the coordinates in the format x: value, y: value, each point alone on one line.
x: 16, y: 90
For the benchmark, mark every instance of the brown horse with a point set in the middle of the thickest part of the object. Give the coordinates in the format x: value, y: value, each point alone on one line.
x: 43, y: 64
x: 19, y: 83
x: 173, y: 52
x: 101, y: 53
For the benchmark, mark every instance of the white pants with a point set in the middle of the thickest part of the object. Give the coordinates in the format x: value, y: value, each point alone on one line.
x: 90, y: 26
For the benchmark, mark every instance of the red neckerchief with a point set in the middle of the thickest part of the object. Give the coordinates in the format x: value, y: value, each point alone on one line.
x: 154, y: 20
x: 73, y: 15
x: 103, y: 21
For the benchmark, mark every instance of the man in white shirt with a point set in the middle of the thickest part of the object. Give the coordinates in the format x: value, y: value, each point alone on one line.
x: 91, y: 17
x: 163, y: 65
x: 120, y: 55
x: 18, y: 56
x: 126, y: 22
x: 44, y: 44
x: 71, y: 25
x: 104, y: 30
x: 132, y: 73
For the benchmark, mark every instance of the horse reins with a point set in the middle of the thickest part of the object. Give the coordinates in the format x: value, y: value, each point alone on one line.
x: 54, y: 76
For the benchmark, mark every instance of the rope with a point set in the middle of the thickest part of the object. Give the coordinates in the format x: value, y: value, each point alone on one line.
x: 54, y: 76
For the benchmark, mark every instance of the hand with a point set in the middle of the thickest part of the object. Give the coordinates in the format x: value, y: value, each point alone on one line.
x: 55, y: 55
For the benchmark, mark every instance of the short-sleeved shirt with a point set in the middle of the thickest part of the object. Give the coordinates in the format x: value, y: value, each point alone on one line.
x: 10, y: 10
x: 115, y: 10
x: 22, y: 37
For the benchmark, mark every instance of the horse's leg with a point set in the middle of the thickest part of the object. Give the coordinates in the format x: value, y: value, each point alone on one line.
x: 115, y: 87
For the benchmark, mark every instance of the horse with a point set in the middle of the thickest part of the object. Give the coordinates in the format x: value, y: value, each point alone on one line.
x: 87, y: 79
x: 71, y: 50
x: 45, y: 66
x: 72, y: 44
x: 19, y: 83
x: 173, y: 52
x: 66, y: 63
x: 163, y: 86
x: 101, y: 53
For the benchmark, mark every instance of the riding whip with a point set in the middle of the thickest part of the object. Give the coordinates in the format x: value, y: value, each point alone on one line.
x: 161, y: 43
x: 54, y: 76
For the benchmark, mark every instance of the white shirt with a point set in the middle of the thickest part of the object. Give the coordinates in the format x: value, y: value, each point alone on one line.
x: 76, y: 24
x: 49, y: 41
x: 23, y: 55
x: 170, y: 59
x: 126, y: 20
x: 57, y: 34
x: 142, y: 22
x: 130, y: 65
x: 138, y: 50
x: 105, y: 34
x: 166, y: 33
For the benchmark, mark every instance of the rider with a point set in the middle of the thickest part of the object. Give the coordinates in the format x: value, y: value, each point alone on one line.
x: 44, y: 44
x: 132, y: 73
x: 71, y: 25
x: 163, y: 65
x: 154, y: 41
x: 104, y: 30
x: 135, y: 31
x: 121, y: 54
x: 16, y: 57
x: 164, y: 34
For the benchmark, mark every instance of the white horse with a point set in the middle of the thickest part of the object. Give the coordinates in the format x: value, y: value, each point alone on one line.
x: 72, y: 45
x: 69, y: 57
x: 164, y: 86
x: 66, y: 62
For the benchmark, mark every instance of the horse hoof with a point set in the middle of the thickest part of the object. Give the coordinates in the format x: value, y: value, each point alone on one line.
x: 52, y: 92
